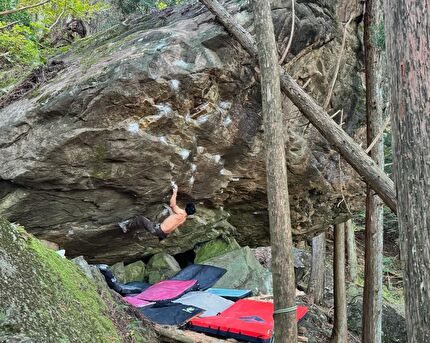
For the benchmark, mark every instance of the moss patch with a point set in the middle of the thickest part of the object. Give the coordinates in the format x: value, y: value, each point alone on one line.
x: 46, y: 297
x: 216, y: 247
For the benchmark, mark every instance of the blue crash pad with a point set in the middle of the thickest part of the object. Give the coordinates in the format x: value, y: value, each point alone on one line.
x: 231, y: 294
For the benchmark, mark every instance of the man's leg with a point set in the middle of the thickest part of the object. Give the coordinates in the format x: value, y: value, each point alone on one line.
x: 139, y: 223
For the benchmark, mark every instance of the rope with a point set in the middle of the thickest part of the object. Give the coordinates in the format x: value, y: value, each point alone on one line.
x: 285, y: 310
x: 280, y: 311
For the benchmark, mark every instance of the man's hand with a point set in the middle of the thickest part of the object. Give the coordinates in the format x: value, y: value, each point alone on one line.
x: 174, y: 187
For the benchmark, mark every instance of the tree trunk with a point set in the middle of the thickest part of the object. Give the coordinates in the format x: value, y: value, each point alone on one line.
x: 374, y: 232
x: 351, y: 251
x: 316, y: 280
x: 340, y: 328
x: 334, y: 134
x: 285, y: 329
x: 407, y: 29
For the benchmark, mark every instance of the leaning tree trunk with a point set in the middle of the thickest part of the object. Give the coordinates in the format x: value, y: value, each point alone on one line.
x: 407, y: 29
x: 351, y: 251
x: 331, y: 131
x: 340, y: 328
x: 374, y: 231
x: 285, y: 329
x: 316, y: 279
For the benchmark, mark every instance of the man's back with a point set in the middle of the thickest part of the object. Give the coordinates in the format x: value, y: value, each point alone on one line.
x: 176, y: 219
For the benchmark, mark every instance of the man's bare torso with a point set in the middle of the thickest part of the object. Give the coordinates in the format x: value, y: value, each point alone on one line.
x: 176, y: 219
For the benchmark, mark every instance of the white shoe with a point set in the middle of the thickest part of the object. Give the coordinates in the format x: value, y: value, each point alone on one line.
x: 123, y: 225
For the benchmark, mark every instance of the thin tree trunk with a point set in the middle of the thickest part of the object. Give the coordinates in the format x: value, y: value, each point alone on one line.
x: 285, y: 329
x: 374, y: 232
x: 316, y: 279
x: 407, y: 29
x: 351, y: 251
x: 340, y: 328
x: 339, y: 139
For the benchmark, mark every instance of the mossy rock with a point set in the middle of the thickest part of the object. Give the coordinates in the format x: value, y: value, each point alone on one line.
x: 135, y: 271
x: 160, y: 267
x: 216, y: 247
x: 47, y: 298
x: 118, y: 270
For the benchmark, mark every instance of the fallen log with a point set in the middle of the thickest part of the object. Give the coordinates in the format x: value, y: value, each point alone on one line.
x: 335, y: 135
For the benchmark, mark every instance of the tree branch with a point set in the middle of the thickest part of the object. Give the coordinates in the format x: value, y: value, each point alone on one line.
x: 9, y: 25
x: 333, y: 81
x: 293, y: 19
x: 335, y: 135
x: 23, y: 8
x: 378, y: 136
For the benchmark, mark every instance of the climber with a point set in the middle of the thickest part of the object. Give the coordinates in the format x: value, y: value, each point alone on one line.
x: 177, y: 217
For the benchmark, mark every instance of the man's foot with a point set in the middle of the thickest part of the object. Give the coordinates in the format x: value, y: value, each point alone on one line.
x: 123, y: 226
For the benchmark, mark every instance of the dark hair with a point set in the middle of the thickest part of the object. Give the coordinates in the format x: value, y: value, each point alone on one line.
x: 190, y: 208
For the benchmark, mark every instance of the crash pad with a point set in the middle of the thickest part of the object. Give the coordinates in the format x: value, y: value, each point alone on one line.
x: 136, y: 302
x: 139, y: 285
x: 170, y: 313
x: 123, y: 289
x: 231, y: 294
x: 206, y: 275
x: 249, y: 320
x: 167, y: 290
x: 210, y: 303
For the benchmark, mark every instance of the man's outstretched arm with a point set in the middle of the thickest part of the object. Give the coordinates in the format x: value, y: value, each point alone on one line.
x: 173, y: 204
x: 173, y: 197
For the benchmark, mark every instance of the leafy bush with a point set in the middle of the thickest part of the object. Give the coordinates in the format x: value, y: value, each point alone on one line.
x: 23, y: 33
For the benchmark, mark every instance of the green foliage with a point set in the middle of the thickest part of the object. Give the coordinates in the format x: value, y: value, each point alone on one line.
x: 145, y: 6
x: 19, y: 45
x: 24, y: 43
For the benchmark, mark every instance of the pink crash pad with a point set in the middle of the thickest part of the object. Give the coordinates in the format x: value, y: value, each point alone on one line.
x: 137, y: 302
x: 167, y: 290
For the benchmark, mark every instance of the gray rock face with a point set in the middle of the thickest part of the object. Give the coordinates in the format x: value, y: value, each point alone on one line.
x: 243, y: 272
x: 393, y: 323
x: 169, y: 97
x: 302, y: 262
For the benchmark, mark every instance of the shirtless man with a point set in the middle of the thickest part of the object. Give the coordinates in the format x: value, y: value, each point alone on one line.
x: 176, y: 218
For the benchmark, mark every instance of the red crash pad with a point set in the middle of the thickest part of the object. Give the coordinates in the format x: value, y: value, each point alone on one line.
x: 249, y: 320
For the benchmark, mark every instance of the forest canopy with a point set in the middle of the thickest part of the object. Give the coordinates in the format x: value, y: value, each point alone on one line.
x: 33, y: 30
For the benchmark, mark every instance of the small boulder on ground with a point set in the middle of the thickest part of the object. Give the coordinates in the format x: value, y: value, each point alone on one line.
x: 160, y: 267
x: 127, y: 273
x: 118, y: 270
x: 135, y: 271
x: 393, y: 323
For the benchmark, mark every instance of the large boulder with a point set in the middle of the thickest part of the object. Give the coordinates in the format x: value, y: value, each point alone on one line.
x: 172, y: 96
x: 243, y: 272
x: 46, y: 298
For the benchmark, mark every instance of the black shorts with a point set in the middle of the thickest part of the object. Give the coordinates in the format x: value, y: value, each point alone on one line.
x: 141, y: 222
